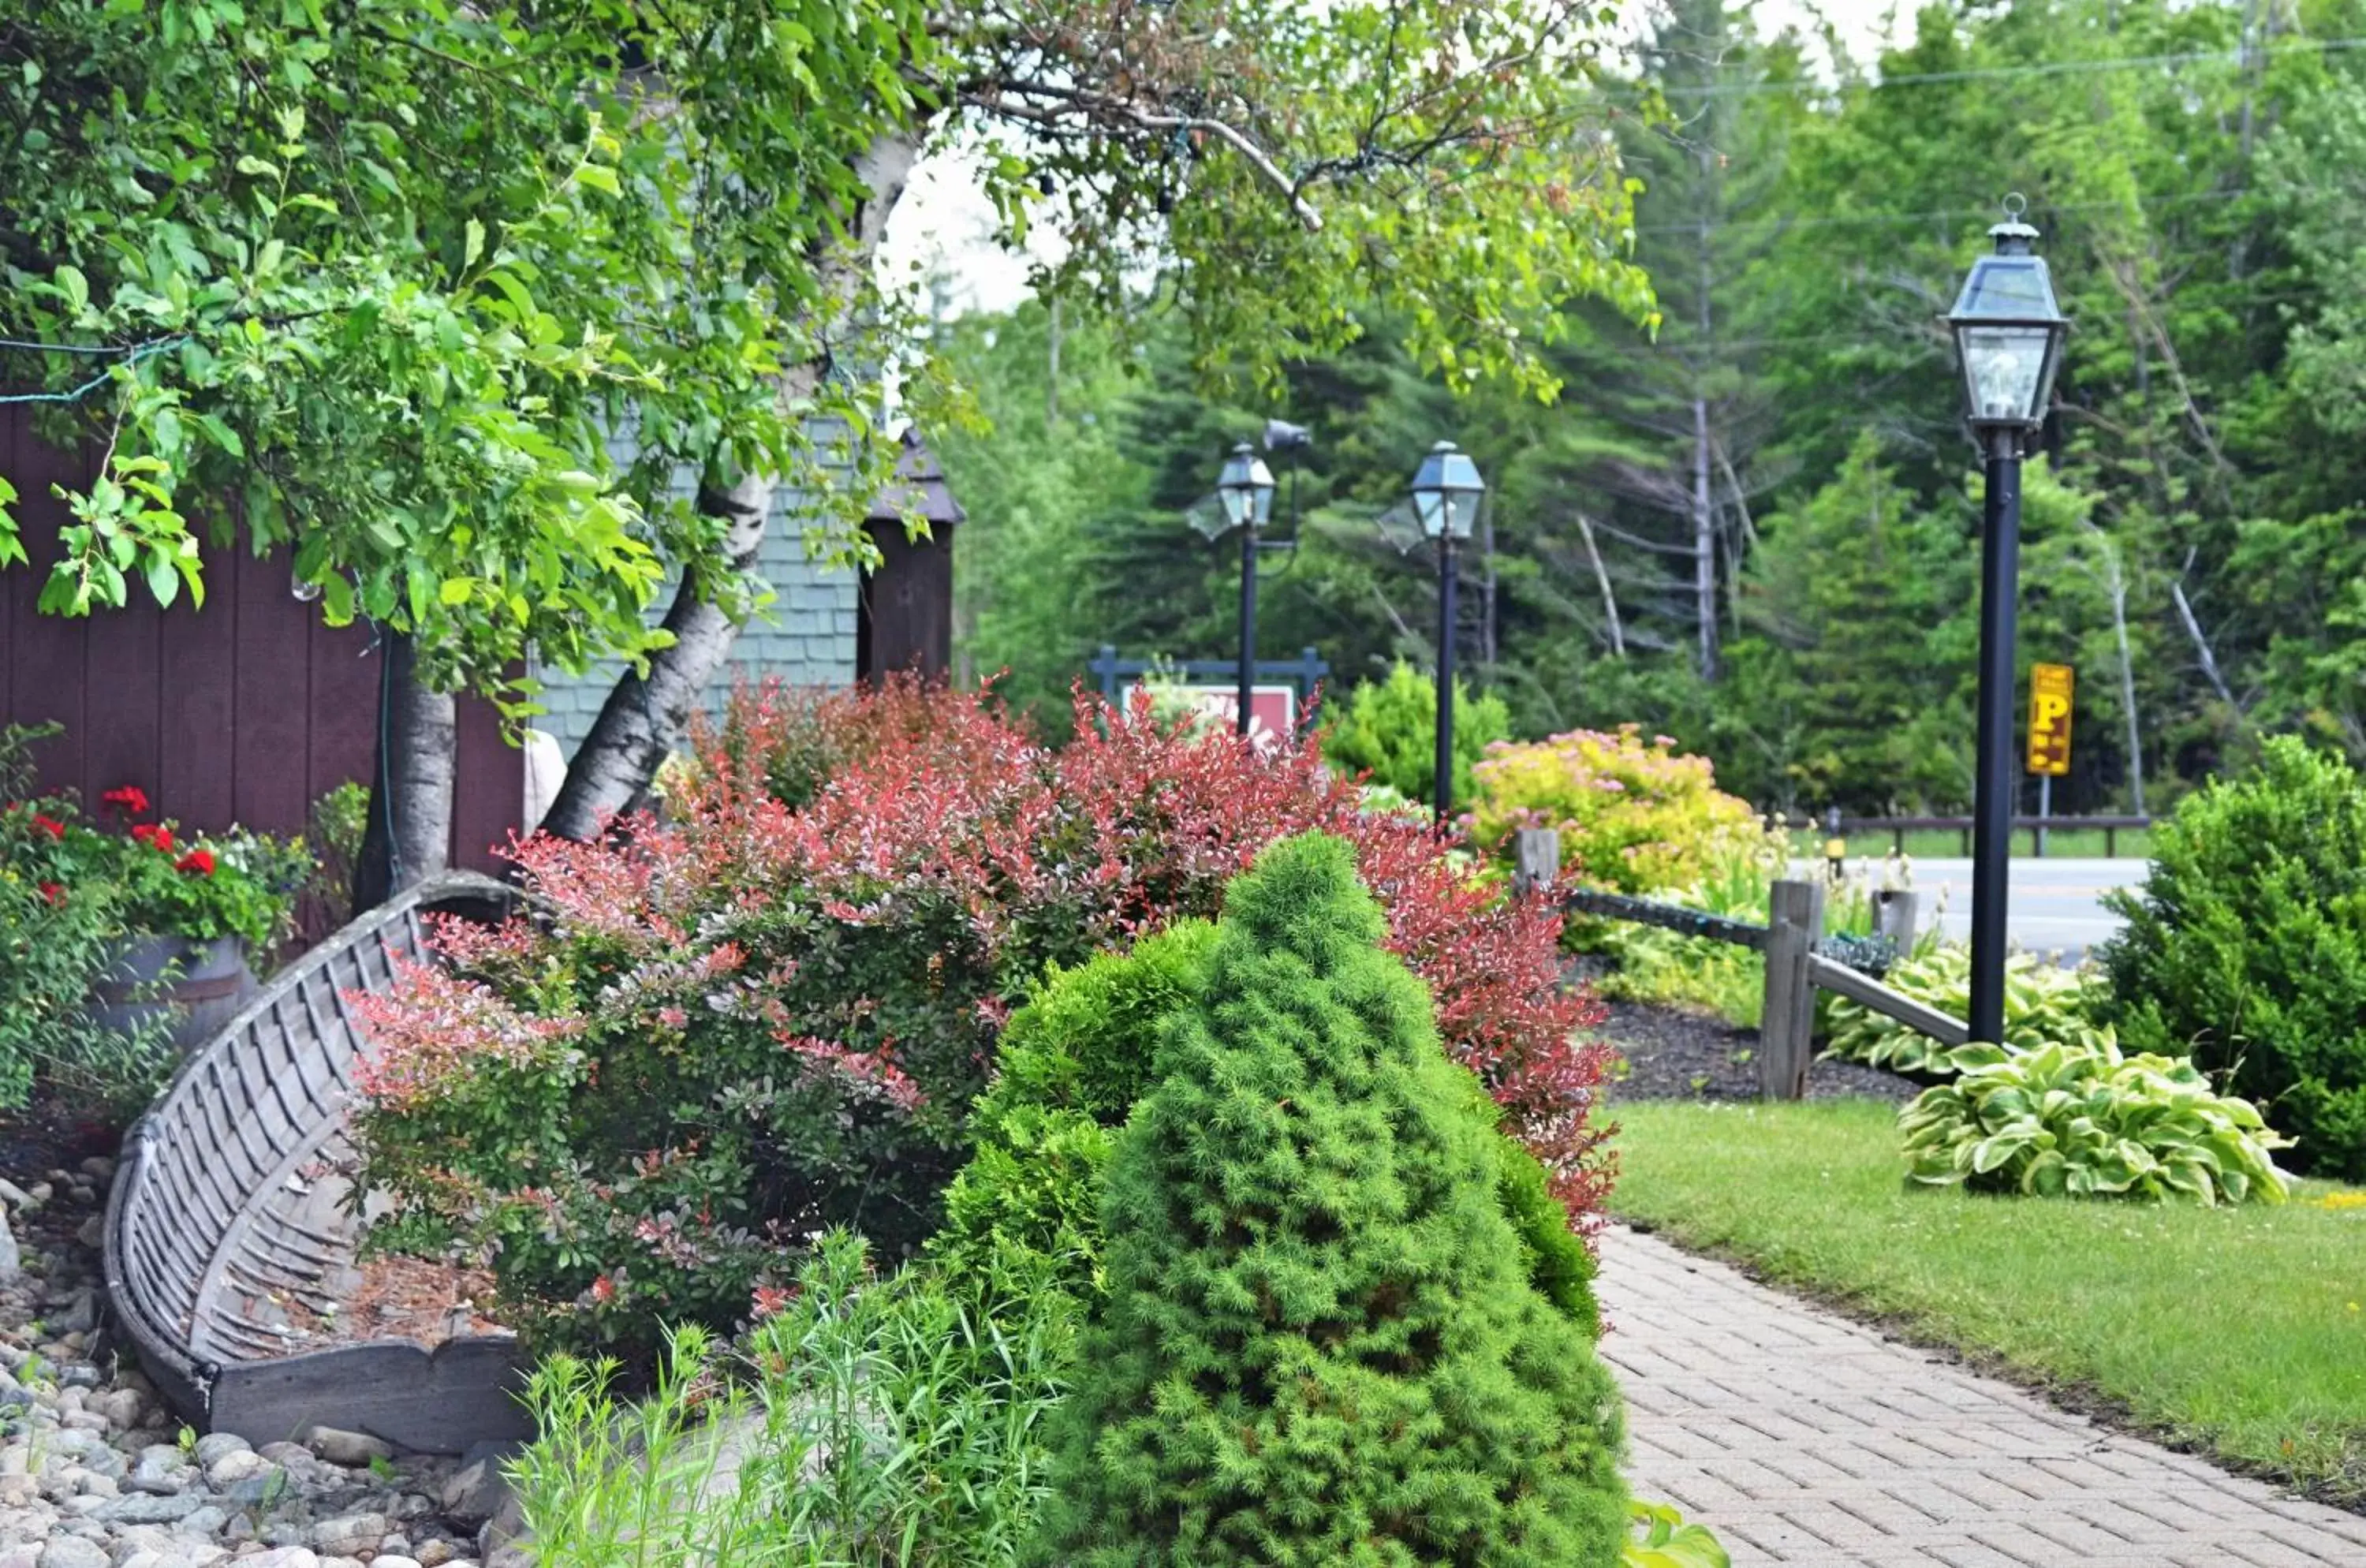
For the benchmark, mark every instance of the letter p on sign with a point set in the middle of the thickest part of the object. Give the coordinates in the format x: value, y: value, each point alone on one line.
x: 2050, y: 688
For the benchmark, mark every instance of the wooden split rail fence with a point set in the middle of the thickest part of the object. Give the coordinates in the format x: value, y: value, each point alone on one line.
x: 1794, y: 970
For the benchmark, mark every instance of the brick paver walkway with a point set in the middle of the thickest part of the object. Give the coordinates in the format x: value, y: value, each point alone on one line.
x: 1800, y: 1436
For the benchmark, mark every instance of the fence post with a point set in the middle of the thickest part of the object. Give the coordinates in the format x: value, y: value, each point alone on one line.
x: 1536, y: 858
x: 1104, y: 665
x: 1895, y: 912
x: 1795, y: 919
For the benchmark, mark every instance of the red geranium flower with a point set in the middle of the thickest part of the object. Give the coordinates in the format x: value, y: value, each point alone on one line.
x: 50, y: 825
x: 131, y: 798
x: 53, y: 892
x: 603, y: 1289
x: 202, y: 862
x: 155, y: 835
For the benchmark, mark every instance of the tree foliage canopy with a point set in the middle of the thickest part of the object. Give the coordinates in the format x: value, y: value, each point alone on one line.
x: 467, y: 303
x: 1792, y: 436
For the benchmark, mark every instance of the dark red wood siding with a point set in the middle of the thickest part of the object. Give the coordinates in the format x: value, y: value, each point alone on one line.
x: 244, y: 711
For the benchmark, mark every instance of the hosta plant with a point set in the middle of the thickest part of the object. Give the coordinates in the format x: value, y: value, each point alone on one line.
x: 2079, y: 1117
x: 2042, y: 1003
x: 1662, y: 1539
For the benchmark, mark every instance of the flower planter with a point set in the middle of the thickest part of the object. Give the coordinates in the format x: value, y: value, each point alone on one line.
x: 212, y: 984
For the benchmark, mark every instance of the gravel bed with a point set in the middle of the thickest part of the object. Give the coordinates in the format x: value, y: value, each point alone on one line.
x: 94, y: 1473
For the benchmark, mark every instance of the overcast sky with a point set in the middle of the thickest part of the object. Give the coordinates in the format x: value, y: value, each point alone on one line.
x: 944, y: 224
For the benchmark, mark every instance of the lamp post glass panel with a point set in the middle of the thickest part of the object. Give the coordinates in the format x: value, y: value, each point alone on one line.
x: 2009, y: 334
x: 1447, y: 490
x: 1246, y: 489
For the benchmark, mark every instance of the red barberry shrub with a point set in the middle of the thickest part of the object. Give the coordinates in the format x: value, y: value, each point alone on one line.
x: 767, y: 1011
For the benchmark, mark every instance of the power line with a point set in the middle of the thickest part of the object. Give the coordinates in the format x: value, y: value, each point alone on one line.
x: 2005, y: 73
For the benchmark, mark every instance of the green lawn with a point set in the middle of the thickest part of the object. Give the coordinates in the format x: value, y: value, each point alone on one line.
x: 2128, y: 844
x: 2239, y: 1330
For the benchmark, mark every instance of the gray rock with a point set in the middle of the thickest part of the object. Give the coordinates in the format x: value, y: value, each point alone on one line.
x: 282, y: 1557
x: 85, y: 1506
x: 161, y: 1459
x: 71, y: 1552
x: 435, y: 1553
x: 17, y: 1197
x: 475, y: 1492
x: 78, y: 1374
x: 253, y: 1491
x: 91, y: 1232
x: 280, y: 1453
x: 99, y: 1167
x: 18, y: 1491
x: 208, y: 1520
x: 349, y: 1534
x: 214, y: 1445
x: 148, y: 1557
x: 352, y: 1449
x: 80, y: 1315
x: 124, y: 1408
x: 239, y: 1464
x: 393, y: 1560
x: 142, y: 1510
x: 91, y: 1483
x: 145, y: 1537
x: 341, y: 1563
x: 83, y: 1420
x: 12, y: 1260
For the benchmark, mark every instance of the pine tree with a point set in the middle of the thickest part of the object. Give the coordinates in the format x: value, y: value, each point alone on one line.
x: 1319, y: 1346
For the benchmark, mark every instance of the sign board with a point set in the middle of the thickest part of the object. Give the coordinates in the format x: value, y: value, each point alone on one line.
x: 1273, y: 710
x: 2049, y: 718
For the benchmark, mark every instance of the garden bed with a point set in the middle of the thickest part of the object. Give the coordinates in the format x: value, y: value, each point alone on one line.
x: 2236, y: 1331
x: 1675, y: 1053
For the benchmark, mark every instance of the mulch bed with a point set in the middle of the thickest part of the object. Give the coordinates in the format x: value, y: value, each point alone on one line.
x: 1680, y: 1053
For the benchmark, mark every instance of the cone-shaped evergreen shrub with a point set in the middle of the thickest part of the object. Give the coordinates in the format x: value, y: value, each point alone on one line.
x: 1320, y: 1345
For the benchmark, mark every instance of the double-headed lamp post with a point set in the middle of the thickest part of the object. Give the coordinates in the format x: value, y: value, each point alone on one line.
x: 1447, y: 490
x: 2009, y: 335
x: 1245, y: 491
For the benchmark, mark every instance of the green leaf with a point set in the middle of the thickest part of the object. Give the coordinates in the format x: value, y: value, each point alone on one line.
x: 73, y: 285
x: 475, y: 246
x: 164, y: 580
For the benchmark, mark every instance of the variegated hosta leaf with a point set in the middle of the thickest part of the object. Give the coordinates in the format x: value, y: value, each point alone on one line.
x: 2077, y: 1117
x: 2043, y: 1003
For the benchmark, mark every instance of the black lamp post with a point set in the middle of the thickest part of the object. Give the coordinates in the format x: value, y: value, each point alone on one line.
x: 1245, y: 491
x: 1447, y: 490
x: 2009, y: 335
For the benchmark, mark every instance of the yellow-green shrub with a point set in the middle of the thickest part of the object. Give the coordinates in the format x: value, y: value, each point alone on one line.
x: 1633, y: 815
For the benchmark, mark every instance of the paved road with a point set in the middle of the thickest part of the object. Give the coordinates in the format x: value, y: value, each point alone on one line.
x: 2055, y: 905
x: 1799, y: 1437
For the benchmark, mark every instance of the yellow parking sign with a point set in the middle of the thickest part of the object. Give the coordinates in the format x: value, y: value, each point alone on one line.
x: 2049, y: 718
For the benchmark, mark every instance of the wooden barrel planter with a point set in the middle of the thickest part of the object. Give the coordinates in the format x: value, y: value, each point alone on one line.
x: 197, y: 988
x: 228, y: 1214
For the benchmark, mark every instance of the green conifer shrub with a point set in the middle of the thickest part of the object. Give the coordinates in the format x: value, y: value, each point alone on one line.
x: 1318, y: 1346
x: 2246, y: 948
x: 1070, y: 1066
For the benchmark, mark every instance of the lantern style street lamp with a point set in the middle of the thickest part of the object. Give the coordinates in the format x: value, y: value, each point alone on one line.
x: 1447, y: 490
x: 2008, y: 335
x: 1245, y: 490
